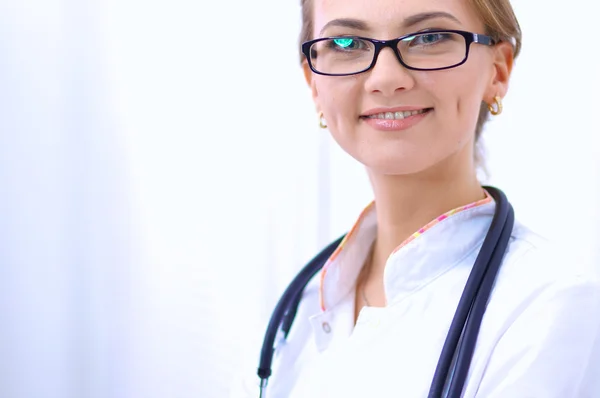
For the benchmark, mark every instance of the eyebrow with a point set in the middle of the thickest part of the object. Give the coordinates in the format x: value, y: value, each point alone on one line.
x: 413, y: 20
x: 424, y: 16
x: 350, y: 23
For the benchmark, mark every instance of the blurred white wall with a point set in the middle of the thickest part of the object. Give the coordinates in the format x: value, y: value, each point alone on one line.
x: 64, y: 209
x: 162, y: 180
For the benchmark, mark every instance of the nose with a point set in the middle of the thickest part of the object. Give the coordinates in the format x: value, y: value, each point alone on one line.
x: 388, y: 75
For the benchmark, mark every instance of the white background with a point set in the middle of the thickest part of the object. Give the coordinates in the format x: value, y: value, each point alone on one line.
x: 162, y: 177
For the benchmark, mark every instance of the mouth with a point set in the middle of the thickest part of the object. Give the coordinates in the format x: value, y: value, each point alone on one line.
x: 396, y: 115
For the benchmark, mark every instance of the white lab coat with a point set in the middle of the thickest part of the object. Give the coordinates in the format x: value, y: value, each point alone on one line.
x: 540, y: 335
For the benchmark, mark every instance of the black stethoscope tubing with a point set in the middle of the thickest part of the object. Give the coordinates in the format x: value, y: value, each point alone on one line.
x: 452, y: 369
x: 290, y: 301
x: 455, y: 358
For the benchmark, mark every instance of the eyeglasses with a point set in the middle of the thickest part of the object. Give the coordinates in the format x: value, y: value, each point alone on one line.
x: 428, y: 50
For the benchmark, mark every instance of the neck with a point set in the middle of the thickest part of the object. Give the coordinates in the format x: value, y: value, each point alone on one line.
x: 407, y: 203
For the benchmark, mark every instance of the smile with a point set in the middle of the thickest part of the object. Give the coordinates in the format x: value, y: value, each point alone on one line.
x: 396, y: 115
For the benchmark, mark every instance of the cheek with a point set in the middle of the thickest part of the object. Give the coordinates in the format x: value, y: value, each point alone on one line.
x: 457, y: 95
x: 456, y: 98
x: 339, y: 97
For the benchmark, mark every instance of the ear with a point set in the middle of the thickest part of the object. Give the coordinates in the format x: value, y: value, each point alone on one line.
x: 503, y: 59
x: 309, y: 78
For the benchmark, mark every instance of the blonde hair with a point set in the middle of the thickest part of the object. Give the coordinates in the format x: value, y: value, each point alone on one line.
x: 500, y: 23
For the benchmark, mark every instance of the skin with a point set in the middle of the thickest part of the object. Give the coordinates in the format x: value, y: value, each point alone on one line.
x: 422, y: 172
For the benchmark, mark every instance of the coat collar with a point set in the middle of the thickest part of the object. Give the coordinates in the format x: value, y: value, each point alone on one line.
x: 424, y: 256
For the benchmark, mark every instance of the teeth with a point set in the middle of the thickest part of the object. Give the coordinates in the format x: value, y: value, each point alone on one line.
x: 396, y: 115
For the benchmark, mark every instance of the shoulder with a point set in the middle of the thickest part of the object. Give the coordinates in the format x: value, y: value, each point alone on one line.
x: 542, y: 288
x: 542, y: 261
x: 536, y: 268
x: 544, y: 313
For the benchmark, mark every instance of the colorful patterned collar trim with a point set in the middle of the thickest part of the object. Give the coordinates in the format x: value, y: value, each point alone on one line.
x: 441, y: 218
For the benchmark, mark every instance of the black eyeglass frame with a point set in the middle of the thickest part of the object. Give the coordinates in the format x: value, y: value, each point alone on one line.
x: 469, y: 37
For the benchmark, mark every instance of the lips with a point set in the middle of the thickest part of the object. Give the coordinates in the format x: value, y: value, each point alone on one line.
x: 394, y: 113
x: 398, y: 115
x: 395, y: 119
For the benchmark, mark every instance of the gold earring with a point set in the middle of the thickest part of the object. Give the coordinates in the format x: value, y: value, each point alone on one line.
x: 322, y: 122
x: 498, y: 109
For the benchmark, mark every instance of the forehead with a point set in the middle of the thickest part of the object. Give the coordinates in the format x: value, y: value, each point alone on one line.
x: 387, y: 16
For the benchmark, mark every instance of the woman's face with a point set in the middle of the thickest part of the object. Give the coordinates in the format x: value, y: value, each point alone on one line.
x: 450, y: 98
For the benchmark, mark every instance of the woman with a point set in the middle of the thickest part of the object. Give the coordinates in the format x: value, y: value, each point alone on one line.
x: 373, y: 323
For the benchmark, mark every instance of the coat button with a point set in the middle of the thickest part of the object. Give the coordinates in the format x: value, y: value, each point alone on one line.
x: 326, y: 327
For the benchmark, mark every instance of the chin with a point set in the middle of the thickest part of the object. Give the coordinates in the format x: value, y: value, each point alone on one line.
x: 398, y: 165
x: 398, y: 170
x: 397, y: 162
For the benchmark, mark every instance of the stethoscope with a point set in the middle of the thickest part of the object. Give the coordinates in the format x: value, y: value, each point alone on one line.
x: 455, y: 358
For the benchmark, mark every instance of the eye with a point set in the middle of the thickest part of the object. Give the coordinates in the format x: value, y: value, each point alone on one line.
x: 428, y: 39
x: 346, y: 43
x: 431, y: 38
